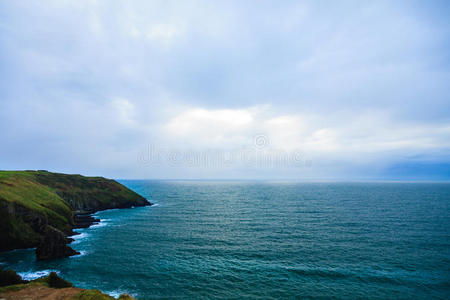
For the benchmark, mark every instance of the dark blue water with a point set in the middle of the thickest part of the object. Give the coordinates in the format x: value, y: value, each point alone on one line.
x: 266, y: 240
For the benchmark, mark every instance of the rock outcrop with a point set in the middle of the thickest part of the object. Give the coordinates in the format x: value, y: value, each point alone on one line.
x: 54, y: 245
x: 10, y: 277
x: 84, y: 219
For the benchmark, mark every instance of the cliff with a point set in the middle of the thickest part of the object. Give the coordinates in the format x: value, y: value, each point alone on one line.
x: 40, y: 209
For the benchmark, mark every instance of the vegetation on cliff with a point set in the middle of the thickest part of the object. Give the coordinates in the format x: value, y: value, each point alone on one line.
x: 49, y: 287
x: 37, y: 207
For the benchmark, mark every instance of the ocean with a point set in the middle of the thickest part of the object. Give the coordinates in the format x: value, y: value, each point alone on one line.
x: 265, y: 240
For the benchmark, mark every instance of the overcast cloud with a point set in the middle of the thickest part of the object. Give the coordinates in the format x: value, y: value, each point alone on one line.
x: 343, y: 89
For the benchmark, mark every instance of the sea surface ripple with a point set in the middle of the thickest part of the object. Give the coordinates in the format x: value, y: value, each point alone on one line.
x: 235, y: 239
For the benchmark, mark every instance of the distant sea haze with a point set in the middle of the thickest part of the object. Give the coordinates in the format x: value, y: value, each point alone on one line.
x: 238, y: 239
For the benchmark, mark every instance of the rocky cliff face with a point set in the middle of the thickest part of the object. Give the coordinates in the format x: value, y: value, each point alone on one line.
x: 53, y: 244
x: 40, y: 208
x: 19, y: 227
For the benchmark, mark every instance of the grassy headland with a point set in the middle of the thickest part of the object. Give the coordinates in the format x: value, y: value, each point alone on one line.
x: 38, y: 207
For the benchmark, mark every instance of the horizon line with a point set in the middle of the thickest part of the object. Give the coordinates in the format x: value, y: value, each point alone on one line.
x: 292, y: 180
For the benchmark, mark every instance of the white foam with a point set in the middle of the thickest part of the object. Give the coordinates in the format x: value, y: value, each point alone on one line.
x: 82, y: 253
x: 31, y: 275
x: 99, y: 224
x: 79, y: 237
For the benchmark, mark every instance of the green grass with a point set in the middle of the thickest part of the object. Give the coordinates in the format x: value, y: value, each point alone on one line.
x: 22, y: 189
x: 83, y: 191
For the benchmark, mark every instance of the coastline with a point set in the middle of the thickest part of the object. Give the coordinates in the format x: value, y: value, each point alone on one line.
x: 40, y: 209
x: 49, y: 286
x: 36, y: 274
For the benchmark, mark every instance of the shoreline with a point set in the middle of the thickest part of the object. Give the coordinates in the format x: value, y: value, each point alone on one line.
x: 49, y: 285
x: 72, y: 236
x: 33, y: 275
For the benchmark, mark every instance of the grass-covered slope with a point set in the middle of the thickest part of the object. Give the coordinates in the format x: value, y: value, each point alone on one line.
x: 90, y: 193
x: 32, y: 200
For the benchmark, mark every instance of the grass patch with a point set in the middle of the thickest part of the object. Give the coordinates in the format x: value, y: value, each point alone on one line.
x: 23, y: 190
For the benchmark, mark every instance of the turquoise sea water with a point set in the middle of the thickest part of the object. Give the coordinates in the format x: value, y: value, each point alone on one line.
x: 265, y: 240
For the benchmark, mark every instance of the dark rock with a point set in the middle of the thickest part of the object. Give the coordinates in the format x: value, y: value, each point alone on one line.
x: 53, y: 245
x: 19, y: 226
x: 84, y: 220
x: 54, y: 281
x: 9, y: 277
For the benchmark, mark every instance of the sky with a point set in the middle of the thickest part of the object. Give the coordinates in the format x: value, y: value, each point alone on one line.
x: 298, y: 90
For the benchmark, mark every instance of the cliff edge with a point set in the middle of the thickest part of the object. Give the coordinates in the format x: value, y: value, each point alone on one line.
x: 40, y: 209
